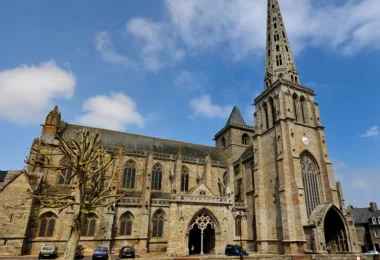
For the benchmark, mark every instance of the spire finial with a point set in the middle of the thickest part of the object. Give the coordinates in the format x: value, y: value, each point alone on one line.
x: 279, y: 61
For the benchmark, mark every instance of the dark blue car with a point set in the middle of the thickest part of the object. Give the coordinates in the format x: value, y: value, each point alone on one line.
x: 234, y: 250
x: 101, y: 252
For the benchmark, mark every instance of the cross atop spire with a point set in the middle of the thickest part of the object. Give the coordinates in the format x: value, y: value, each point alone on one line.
x: 279, y: 61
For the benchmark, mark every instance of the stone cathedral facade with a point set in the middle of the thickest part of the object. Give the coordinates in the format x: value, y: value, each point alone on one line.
x: 271, y: 184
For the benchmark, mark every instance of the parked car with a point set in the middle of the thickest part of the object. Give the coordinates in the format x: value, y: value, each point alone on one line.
x: 101, y: 252
x: 234, y: 250
x: 48, y: 251
x: 80, y: 252
x: 127, y: 251
x: 372, y: 252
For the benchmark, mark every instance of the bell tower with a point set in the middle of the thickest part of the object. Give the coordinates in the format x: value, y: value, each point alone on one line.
x: 292, y: 169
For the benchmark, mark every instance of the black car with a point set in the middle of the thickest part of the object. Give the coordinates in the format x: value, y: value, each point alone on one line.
x: 127, y: 251
x: 234, y: 250
x: 80, y: 252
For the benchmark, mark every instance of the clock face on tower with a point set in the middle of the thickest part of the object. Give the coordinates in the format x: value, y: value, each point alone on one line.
x: 305, y: 140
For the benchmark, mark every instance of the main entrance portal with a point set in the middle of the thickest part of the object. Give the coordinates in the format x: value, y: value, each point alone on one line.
x: 335, y: 232
x: 202, y: 234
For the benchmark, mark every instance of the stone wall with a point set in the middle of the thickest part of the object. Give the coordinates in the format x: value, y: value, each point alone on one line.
x: 15, y: 207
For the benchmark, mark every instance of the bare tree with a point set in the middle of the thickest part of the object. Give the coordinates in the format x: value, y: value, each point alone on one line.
x: 92, y: 174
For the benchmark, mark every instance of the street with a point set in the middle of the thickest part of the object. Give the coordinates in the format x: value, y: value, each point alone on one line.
x: 113, y: 257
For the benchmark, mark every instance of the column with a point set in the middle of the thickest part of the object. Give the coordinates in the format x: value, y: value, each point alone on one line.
x: 202, y: 242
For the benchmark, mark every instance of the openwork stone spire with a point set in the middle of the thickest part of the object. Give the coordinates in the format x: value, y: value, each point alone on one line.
x: 279, y: 61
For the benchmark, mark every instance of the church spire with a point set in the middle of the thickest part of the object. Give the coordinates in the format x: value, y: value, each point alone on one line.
x: 279, y: 61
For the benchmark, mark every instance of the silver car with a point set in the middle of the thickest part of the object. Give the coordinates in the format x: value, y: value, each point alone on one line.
x: 48, y: 251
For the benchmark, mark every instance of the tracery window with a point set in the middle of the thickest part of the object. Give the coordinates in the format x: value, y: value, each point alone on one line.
x: 89, y: 226
x: 47, y: 224
x: 252, y: 168
x: 238, y: 190
x: 158, y: 224
x: 126, y: 221
x: 157, y: 177
x: 65, y: 174
x: 129, y: 175
x: 310, y: 182
x: 184, y: 178
x: 238, y: 226
x: 245, y: 139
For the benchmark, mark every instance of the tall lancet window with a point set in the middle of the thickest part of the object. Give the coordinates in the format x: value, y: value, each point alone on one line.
x: 184, y: 178
x: 265, y: 106
x: 295, y: 101
x: 303, y: 110
x: 310, y: 173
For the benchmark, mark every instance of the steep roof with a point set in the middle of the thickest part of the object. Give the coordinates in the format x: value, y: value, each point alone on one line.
x: 145, y: 143
x: 235, y: 120
x: 362, y: 215
x: 235, y: 117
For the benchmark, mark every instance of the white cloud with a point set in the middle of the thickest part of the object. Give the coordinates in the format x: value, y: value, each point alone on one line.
x: 26, y: 92
x: 108, y: 53
x: 158, y: 43
x: 372, y: 132
x: 359, y: 184
x: 188, y: 80
x: 202, y: 106
x: 240, y: 25
x: 112, y: 112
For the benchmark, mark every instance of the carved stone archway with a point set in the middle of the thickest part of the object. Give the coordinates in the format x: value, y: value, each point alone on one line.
x: 204, y: 223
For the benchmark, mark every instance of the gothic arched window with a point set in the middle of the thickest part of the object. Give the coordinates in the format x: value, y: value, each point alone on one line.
x: 184, y: 179
x: 157, y: 177
x: 158, y: 224
x: 89, y: 226
x: 65, y: 174
x: 303, y: 110
x: 238, y: 226
x: 223, y: 142
x: 310, y: 182
x: 273, y: 109
x: 47, y: 224
x: 126, y: 221
x: 265, y: 106
x: 295, y: 101
x: 245, y: 139
x: 129, y: 175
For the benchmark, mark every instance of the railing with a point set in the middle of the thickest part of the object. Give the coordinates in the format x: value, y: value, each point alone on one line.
x: 204, y: 199
x: 129, y: 201
x: 160, y: 202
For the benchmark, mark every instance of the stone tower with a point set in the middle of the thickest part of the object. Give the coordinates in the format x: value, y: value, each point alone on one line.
x: 235, y: 136
x: 295, y: 194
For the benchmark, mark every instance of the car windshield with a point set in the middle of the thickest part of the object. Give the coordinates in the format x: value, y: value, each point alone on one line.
x: 47, y: 248
x: 101, y: 249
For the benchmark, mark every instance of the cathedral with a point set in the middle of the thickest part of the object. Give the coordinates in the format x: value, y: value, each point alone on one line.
x: 270, y: 185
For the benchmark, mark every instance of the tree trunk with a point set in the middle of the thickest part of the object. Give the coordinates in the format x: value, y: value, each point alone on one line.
x: 72, y: 242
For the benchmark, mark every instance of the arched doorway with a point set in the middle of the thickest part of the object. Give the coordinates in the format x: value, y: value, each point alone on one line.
x: 202, y: 233
x: 335, y: 232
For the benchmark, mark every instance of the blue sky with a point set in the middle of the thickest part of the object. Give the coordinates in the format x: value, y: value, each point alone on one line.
x: 174, y: 69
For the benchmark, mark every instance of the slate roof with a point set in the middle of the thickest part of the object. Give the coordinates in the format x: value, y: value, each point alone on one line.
x: 362, y: 215
x: 112, y: 138
x: 235, y: 120
x: 235, y: 117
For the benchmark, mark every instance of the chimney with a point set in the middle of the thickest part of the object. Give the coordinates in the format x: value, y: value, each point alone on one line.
x: 373, y: 206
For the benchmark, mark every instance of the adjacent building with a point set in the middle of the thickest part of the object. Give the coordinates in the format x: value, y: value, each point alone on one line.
x: 271, y: 184
x: 367, y: 224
